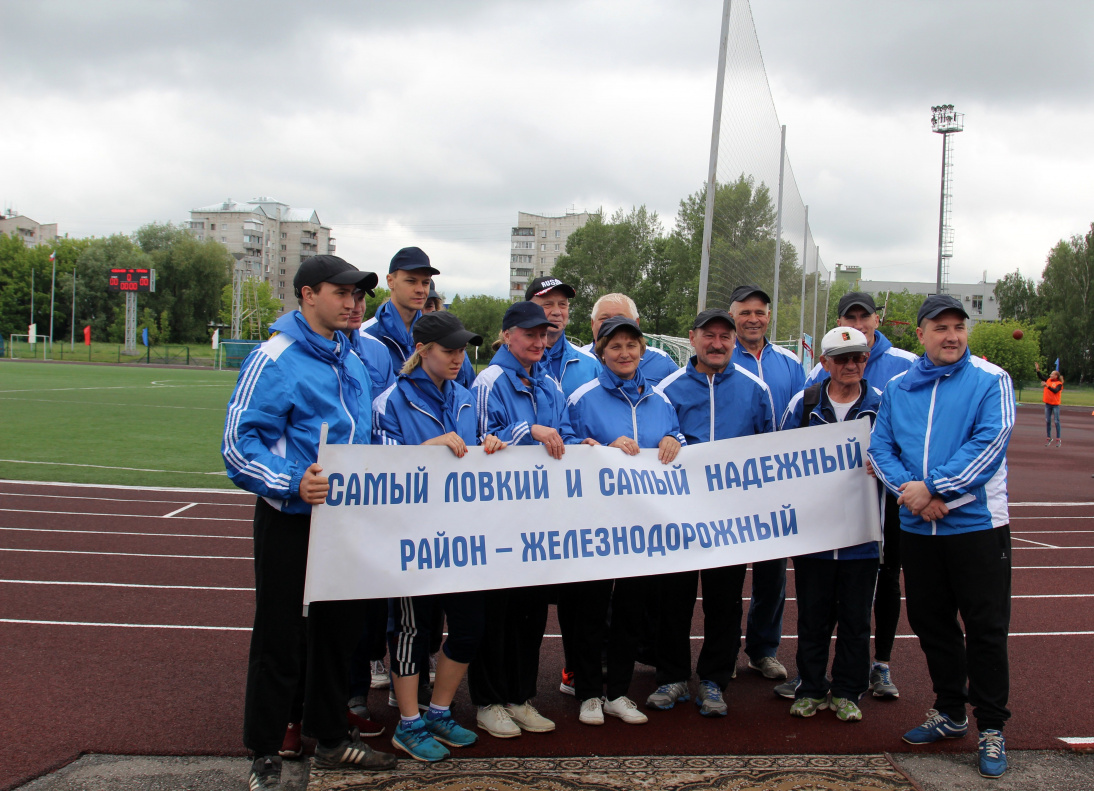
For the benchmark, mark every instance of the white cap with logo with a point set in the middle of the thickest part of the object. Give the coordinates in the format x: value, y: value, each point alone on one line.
x: 843, y: 340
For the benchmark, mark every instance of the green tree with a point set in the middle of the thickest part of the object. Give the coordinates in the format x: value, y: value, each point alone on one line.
x: 898, y: 312
x: 481, y: 314
x: 995, y: 340
x: 259, y: 309
x: 95, y: 306
x: 1017, y: 298
x: 1067, y: 294
x: 372, y: 304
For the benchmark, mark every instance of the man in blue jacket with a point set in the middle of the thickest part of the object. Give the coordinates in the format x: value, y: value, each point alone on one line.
x: 409, y: 279
x: 857, y: 309
x: 781, y: 371
x: 304, y: 376
x: 940, y: 444
x: 714, y: 399
x: 568, y: 365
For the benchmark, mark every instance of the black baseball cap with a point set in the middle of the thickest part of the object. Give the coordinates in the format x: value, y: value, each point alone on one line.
x: 713, y: 314
x: 433, y: 291
x: 542, y: 285
x: 526, y: 315
x: 741, y: 293
x: 444, y: 328
x: 332, y: 269
x: 613, y: 325
x: 939, y: 303
x: 411, y: 258
x: 853, y: 298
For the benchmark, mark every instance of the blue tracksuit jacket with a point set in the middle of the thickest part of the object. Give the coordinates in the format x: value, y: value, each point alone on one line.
x: 287, y: 388
x: 414, y: 410
x: 570, y: 366
x: 948, y: 426
x: 387, y: 326
x: 375, y: 356
x: 608, y: 408
x: 778, y: 368
x: 508, y: 408
x: 735, y: 404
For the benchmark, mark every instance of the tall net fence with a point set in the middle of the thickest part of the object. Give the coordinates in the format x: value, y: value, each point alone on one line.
x: 757, y: 220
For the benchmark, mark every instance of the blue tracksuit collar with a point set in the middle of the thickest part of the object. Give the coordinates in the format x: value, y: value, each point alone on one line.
x: 333, y: 352
x: 393, y: 328
x: 698, y: 375
x: 555, y: 358
x: 439, y: 402
x: 924, y: 372
x: 624, y: 387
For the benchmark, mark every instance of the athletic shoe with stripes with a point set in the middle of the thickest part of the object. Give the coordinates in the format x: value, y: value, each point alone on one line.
x: 710, y: 700
x: 352, y: 754
x: 992, y: 752
x: 881, y: 682
x: 265, y: 773
x: 938, y: 726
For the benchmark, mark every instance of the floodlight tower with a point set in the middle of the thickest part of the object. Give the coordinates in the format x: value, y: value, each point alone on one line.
x: 946, y: 122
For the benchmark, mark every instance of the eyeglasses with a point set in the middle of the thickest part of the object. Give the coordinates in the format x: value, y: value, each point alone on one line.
x: 845, y: 359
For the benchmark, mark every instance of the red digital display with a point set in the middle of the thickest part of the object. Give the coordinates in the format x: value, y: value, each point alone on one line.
x: 138, y: 280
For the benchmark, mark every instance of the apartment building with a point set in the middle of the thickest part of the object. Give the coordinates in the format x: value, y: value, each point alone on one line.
x: 268, y: 238
x: 32, y: 233
x: 978, y: 298
x: 537, y: 242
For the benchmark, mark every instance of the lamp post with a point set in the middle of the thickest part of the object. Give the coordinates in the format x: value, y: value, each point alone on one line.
x: 946, y: 122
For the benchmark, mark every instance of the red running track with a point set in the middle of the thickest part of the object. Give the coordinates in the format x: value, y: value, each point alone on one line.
x: 125, y: 613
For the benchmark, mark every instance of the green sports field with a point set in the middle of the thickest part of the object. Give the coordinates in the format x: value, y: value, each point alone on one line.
x: 113, y: 424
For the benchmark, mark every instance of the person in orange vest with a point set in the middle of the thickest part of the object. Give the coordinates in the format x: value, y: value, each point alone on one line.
x: 1054, y: 386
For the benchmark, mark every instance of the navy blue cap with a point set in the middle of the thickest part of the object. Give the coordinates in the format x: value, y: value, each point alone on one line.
x: 939, y: 303
x: 741, y: 293
x: 713, y: 314
x: 411, y: 258
x: 446, y: 329
x: 332, y: 269
x: 855, y: 299
x: 611, y: 326
x: 525, y: 315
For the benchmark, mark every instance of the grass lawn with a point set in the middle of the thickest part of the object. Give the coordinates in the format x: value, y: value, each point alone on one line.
x: 1073, y: 395
x: 165, y: 423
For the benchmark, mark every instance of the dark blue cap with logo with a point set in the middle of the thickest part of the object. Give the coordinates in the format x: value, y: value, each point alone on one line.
x: 611, y: 326
x: 411, y: 258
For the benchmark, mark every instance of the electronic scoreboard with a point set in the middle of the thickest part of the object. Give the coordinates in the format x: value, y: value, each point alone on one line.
x: 132, y: 280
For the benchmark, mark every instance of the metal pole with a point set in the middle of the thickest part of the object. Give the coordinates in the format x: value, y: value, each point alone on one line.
x: 778, y: 239
x: 32, y: 294
x: 941, y: 214
x: 72, y: 343
x: 52, y: 289
x: 827, y: 294
x: 805, y: 262
x: 712, y: 169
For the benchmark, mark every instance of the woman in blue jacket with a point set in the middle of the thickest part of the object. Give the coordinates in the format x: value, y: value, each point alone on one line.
x: 426, y: 406
x: 620, y: 410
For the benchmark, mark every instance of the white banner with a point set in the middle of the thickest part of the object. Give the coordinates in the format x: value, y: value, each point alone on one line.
x: 412, y: 520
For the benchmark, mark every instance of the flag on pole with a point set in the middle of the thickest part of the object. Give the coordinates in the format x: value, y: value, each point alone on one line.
x: 1057, y: 363
x: 216, y: 338
x: 87, y: 335
x: 53, y: 256
x: 144, y: 336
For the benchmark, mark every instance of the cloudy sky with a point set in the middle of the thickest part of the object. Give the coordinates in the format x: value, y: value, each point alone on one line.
x: 433, y: 123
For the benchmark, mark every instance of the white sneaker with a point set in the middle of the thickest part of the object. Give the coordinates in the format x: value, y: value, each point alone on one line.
x: 626, y: 709
x: 381, y: 679
x: 496, y: 721
x: 592, y: 711
x: 526, y: 716
x: 768, y: 667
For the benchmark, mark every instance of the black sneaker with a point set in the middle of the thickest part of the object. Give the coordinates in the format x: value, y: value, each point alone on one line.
x: 352, y: 754
x: 265, y: 772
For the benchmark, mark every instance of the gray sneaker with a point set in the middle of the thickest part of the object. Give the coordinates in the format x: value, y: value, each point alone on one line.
x: 768, y: 666
x: 881, y: 682
x: 788, y: 689
x: 667, y: 695
x: 710, y: 700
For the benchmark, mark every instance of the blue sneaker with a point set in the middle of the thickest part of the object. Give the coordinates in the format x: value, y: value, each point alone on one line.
x: 447, y: 731
x: 710, y: 700
x: 993, y: 753
x: 938, y: 726
x: 417, y: 742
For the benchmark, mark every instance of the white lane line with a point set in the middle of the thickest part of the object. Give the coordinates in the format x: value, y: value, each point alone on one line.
x: 1048, y: 532
x: 127, y: 554
x: 23, y: 400
x: 122, y: 487
x: 115, y: 387
x: 1050, y: 505
x: 138, y: 500
x: 122, y: 533
x: 126, y: 585
x: 134, y: 516
x: 1039, y: 544
x: 179, y: 510
x: 129, y: 625
x: 1048, y: 568
x: 108, y: 467
x: 1078, y: 741
x: 1041, y: 518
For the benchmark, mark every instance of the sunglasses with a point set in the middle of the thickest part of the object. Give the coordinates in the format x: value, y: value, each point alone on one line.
x: 845, y: 359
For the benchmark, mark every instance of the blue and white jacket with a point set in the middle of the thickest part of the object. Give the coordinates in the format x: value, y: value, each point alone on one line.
x: 387, y: 326
x: 779, y: 368
x: 414, y: 410
x: 735, y: 403
x: 886, y: 361
x: 655, y: 364
x: 608, y: 408
x: 374, y: 355
x: 508, y: 408
x: 287, y: 388
x: 570, y: 366
x: 948, y: 426
x: 867, y: 405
